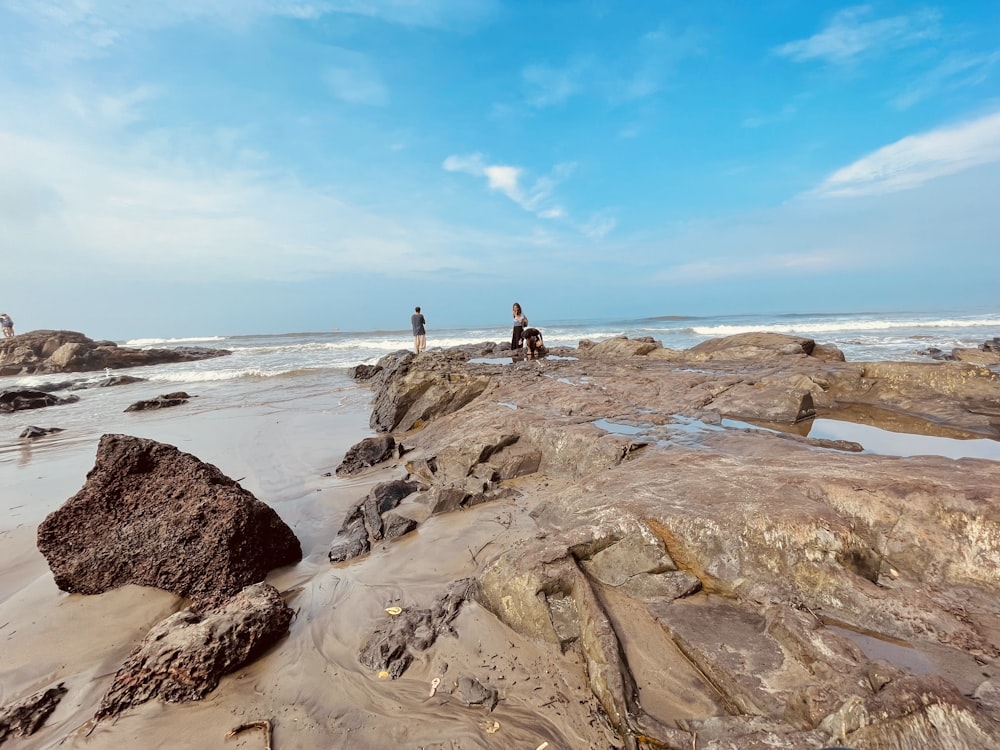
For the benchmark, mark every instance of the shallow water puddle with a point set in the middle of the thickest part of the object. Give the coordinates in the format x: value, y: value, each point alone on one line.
x: 875, y: 646
x: 887, y: 442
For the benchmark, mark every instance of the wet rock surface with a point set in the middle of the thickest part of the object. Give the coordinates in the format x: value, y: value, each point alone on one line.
x: 183, y: 657
x: 160, y: 402
x: 31, y: 399
x: 721, y: 586
x: 390, y: 648
x: 39, y: 352
x: 152, y: 515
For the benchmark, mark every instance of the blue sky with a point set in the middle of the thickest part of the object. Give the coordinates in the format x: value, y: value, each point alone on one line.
x: 201, y: 167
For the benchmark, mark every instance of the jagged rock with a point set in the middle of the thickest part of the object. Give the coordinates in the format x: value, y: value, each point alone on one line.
x: 473, y: 693
x: 364, y: 524
x: 25, y: 717
x: 391, y: 646
x: 183, y: 657
x: 758, y: 345
x: 32, y: 432
x: 368, y: 452
x: 31, y: 399
x: 152, y: 515
x: 38, y: 352
x: 364, y: 372
x: 407, y: 398
x: 160, y: 402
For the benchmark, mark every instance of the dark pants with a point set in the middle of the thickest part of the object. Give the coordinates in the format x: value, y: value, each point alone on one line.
x: 515, y: 339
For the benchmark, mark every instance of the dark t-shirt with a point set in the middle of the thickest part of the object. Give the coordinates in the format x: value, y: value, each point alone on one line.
x: 417, y: 322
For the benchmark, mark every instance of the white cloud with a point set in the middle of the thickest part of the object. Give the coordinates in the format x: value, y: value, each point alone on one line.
x: 537, y: 198
x: 64, y: 206
x: 849, y: 36
x: 918, y: 159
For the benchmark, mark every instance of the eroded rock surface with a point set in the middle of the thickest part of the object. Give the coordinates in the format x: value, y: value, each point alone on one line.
x: 160, y: 402
x: 152, y: 515
x: 183, y: 657
x: 26, y: 716
x: 787, y: 592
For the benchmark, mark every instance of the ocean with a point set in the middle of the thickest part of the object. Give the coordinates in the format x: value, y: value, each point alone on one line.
x: 268, y: 369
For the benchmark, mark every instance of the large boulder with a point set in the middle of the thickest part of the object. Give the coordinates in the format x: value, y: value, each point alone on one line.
x: 27, y: 398
x: 152, y: 515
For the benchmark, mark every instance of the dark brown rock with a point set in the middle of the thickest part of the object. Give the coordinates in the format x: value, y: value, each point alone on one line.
x: 26, y: 716
x: 32, y: 432
x: 31, y: 399
x: 183, y: 657
x: 368, y: 452
x: 364, y: 524
x: 45, y: 351
x: 152, y: 515
x: 160, y: 402
x: 390, y: 648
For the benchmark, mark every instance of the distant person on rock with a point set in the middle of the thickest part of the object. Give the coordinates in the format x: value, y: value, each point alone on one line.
x: 7, y: 324
x: 533, y: 340
x: 520, y: 323
x: 419, y: 334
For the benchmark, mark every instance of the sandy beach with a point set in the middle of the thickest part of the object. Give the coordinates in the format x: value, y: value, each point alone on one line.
x: 310, y: 685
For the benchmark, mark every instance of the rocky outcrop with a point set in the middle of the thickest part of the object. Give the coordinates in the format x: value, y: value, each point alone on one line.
x: 182, y: 658
x: 367, y: 453
x: 39, y: 352
x: 365, y: 524
x: 152, y: 515
x: 31, y: 399
x: 32, y: 432
x: 787, y: 592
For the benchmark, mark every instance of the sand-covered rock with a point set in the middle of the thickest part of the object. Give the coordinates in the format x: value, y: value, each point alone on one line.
x: 182, y: 658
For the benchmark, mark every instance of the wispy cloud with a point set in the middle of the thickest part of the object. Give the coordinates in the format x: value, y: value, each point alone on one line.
x: 547, y: 86
x: 955, y: 72
x: 852, y: 34
x: 65, y: 205
x: 918, y: 159
x: 537, y: 198
x: 752, y: 267
x: 351, y: 77
x: 640, y: 71
x: 87, y: 29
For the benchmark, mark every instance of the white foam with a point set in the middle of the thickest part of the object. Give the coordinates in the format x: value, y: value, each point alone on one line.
x: 137, y: 343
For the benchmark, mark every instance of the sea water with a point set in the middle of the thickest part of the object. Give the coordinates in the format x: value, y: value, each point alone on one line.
x: 287, y: 367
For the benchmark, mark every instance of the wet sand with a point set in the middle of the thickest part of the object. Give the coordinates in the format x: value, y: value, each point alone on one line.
x: 310, y: 685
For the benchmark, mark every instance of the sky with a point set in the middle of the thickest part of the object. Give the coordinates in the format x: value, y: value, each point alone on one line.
x: 213, y: 167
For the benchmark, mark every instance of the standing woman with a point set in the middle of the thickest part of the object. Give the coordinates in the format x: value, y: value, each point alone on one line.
x: 520, y: 323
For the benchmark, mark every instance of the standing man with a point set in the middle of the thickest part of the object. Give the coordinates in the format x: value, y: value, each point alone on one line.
x: 7, y: 324
x: 419, y: 334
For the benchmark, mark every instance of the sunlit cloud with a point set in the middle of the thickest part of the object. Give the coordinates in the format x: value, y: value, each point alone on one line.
x: 850, y: 35
x: 537, y: 198
x: 918, y: 159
